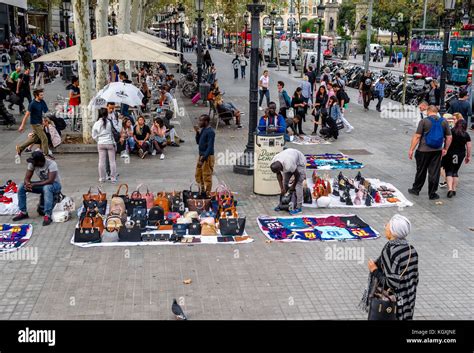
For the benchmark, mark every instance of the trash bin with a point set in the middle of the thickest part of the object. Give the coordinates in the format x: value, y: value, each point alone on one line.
x: 204, y: 89
x: 265, y: 181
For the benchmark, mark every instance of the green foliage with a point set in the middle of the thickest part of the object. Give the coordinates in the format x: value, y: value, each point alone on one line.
x: 311, y: 25
x: 396, y: 49
x: 347, y: 11
x: 363, y: 40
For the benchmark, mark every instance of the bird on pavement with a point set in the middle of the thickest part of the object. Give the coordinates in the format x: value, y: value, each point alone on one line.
x: 177, y: 311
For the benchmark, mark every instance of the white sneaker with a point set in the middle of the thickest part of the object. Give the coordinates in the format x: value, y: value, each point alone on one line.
x: 349, y: 129
x: 153, y: 153
x: 162, y: 156
x: 123, y: 154
x: 260, y: 108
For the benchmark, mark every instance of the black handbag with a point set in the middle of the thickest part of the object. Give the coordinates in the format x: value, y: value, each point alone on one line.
x: 100, y: 206
x: 177, y: 205
x: 139, y: 214
x: 307, y: 198
x: 194, y: 228
x: 87, y: 235
x: 136, y: 200
x: 130, y: 233
x: 232, y: 226
x: 156, y: 214
x: 190, y: 194
x: 382, y: 304
x: 180, y: 228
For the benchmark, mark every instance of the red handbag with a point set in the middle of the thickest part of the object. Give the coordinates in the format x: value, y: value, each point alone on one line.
x: 149, y: 196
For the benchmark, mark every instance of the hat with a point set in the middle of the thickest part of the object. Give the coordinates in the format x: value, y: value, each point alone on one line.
x: 36, y: 156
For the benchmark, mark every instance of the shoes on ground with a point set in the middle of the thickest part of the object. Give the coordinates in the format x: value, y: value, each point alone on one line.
x: 296, y: 211
x: 443, y: 184
x: 413, y: 192
x: 20, y: 216
x: 434, y: 196
x: 47, y: 221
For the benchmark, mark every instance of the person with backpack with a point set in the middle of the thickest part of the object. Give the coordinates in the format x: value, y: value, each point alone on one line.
x: 5, y: 62
x: 283, y: 98
x: 344, y: 100
x: 243, y: 65
x: 379, y: 92
x: 433, y: 138
x: 236, y: 66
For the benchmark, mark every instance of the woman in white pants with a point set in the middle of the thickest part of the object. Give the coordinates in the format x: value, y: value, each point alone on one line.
x: 102, y: 133
x: 342, y: 98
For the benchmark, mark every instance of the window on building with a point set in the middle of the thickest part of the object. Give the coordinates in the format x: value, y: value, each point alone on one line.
x: 315, y: 10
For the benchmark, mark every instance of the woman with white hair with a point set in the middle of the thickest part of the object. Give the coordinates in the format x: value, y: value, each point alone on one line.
x: 396, y: 268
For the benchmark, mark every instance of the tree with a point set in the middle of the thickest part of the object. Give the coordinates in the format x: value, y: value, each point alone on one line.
x: 86, y: 73
x: 101, y: 24
x: 310, y: 26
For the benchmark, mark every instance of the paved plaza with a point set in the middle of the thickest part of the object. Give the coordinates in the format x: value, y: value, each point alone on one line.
x: 260, y: 280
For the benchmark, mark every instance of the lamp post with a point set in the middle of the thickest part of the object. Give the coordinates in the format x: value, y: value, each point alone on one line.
x: 291, y: 22
x: 67, y: 16
x: 199, y: 8
x: 449, y: 6
x: 175, y: 29
x: 245, y: 164
x: 181, y: 29
x: 346, y: 29
x: 320, y: 9
x: 272, y: 63
x: 393, y: 23
x: 246, y: 20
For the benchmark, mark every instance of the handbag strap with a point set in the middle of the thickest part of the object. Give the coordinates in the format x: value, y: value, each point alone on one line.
x: 120, y: 187
x: 408, y: 263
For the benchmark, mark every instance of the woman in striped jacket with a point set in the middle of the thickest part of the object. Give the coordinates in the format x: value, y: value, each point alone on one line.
x: 397, y: 266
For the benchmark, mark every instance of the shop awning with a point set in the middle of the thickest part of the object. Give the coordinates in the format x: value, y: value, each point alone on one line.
x: 17, y: 3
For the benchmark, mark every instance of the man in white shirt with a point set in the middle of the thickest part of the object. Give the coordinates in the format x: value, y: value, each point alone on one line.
x: 286, y: 164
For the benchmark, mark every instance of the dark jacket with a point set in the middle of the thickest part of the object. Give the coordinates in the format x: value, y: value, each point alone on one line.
x: 205, y: 139
x: 461, y: 106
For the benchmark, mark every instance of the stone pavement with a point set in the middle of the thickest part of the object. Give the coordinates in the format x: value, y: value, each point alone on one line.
x: 253, y: 281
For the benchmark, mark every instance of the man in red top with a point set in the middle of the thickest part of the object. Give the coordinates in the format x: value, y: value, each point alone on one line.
x: 74, y: 92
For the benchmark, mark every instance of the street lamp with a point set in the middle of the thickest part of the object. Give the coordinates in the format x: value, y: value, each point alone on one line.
x: 245, y: 165
x: 246, y: 20
x: 181, y: 10
x: 346, y: 29
x: 321, y: 8
x: 272, y: 63
x: 291, y: 22
x: 465, y: 20
x: 67, y: 15
x: 174, y: 15
x: 199, y: 8
x: 393, y: 23
x: 449, y: 6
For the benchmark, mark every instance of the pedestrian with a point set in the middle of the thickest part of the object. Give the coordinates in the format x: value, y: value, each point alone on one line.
x: 48, y: 186
x: 343, y: 101
x: 205, y: 137
x: 461, y: 105
x: 103, y: 135
x: 5, y: 62
x: 423, y: 107
x: 40, y: 73
x: 14, y: 76
x: 380, y: 92
x: 243, y: 65
x: 35, y: 112
x: 264, y: 84
x: 459, y: 150
x: 311, y: 79
x: 287, y: 164
x: 354, y: 52
x: 260, y: 57
x: 207, y: 60
x: 326, y: 76
x: 23, y: 89
x: 396, y: 269
x: 283, y: 98
x: 330, y: 130
x: 236, y: 66
x: 74, y: 93
x: 13, y: 58
x: 365, y: 88
x: 431, y: 134
x: 271, y: 122
x: 399, y: 58
x: 298, y: 103
x: 320, y: 110
x: 158, y: 137
x: 306, y: 93
x: 433, y: 97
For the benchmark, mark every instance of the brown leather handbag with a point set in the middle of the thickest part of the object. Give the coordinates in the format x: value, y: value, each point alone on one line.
x: 100, y: 196
x: 89, y: 222
x: 199, y: 205
x: 162, y: 201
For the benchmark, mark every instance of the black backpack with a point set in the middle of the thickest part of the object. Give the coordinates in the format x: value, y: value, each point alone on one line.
x: 156, y: 214
x: 345, y: 96
x: 4, y: 59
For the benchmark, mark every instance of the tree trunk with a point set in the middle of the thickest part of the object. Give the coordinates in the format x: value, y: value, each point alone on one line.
x: 124, y: 27
x: 142, y: 15
x: 101, y: 24
x: 135, y: 15
x: 50, y: 17
x: 86, y: 73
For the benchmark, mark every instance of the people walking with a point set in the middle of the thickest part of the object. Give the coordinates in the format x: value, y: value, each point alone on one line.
x: 103, y: 135
x: 205, y: 137
x: 432, y: 140
x: 380, y: 92
x: 343, y: 101
x: 395, y: 270
x: 461, y: 105
x: 264, y: 85
x: 243, y: 65
x: 459, y: 150
x: 207, y: 60
x: 35, y: 112
x: 320, y: 110
x: 24, y: 89
x: 365, y: 87
x: 283, y: 98
x: 298, y: 103
x: 433, y: 97
x: 236, y: 66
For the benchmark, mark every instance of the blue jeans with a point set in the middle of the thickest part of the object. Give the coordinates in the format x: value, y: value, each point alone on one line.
x: 131, y: 144
x: 47, y: 192
x: 264, y: 93
x: 242, y: 71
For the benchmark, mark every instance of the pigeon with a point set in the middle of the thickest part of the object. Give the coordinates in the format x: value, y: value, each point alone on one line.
x: 176, y: 309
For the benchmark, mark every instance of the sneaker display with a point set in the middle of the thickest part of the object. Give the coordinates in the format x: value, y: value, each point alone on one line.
x: 20, y: 216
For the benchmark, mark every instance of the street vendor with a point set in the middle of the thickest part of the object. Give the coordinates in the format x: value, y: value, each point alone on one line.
x: 287, y: 164
x: 272, y: 122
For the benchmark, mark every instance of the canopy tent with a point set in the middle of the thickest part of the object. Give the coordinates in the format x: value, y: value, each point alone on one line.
x: 150, y: 43
x: 117, y: 47
x: 151, y: 37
